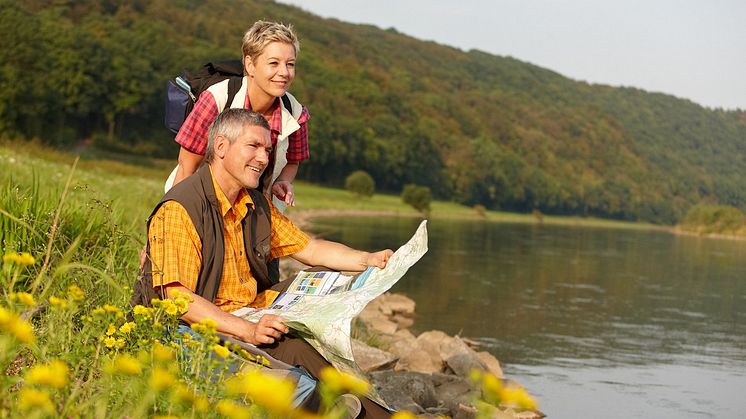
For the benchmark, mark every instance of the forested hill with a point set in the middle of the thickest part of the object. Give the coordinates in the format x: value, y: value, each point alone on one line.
x: 477, y: 128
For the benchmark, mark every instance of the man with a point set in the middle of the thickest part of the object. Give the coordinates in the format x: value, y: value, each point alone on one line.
x: 210, y: 237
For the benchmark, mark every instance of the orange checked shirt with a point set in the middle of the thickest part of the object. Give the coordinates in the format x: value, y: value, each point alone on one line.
x: 176, y: 250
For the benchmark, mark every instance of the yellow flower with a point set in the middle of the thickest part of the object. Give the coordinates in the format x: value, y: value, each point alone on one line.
x: 53, y: 374
x: 161, y: 379
x: 98, y: 310
x: 517, y: 397
x: 110, y: 342
x: 19, y: 258
x: 127, y: 327
x: 163, y: 353
x: 111, y: 330
x: 232, y: 410
x: 143, y: 311
x: 340, y: 382
x: 171, y: 308
x: 206, y: 327
x: 57, y: 302
x: 20, y: 329
x: 221, y: 350
x: 110, y: 308
x: 272, y: 393
x: 29, y: 399
x: 75, y: 293
x: 125, y: 365
x: 24, y: 298
x: 403, y: 415
x: 492, y: 387
x: 120, y: 343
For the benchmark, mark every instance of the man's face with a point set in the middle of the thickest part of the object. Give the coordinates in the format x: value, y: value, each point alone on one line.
x: 246, y: 158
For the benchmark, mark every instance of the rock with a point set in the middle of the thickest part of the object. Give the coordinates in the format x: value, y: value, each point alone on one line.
x: 372, y: 359
x: 462, y: 363
x: 432, y: 341
x: 402, y: 390
x: 465, y: 411
x: 399, y: 304
x: 412, y: 357
x: 492, y: 364
x: 452, y: 391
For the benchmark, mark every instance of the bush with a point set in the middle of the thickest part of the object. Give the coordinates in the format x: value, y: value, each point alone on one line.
x: 360, y: 183
x: 706, y: 219
x: 419, y: 197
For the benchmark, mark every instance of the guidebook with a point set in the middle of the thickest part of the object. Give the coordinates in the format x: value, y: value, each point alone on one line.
x: 320, y: 305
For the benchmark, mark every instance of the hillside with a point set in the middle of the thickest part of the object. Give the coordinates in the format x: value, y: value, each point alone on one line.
x: 476, y: 128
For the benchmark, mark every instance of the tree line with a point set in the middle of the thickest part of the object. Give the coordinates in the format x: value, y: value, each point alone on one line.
x: 475, y: 128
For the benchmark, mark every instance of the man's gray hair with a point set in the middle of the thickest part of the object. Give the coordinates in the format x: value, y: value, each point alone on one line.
x: 231, y: 124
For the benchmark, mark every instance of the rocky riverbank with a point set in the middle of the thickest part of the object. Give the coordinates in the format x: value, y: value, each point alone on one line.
x: 426, y: 374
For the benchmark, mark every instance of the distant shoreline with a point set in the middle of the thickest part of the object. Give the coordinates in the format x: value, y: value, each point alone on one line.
x: 303, y: 218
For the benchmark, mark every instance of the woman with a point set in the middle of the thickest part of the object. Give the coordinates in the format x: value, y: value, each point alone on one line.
x: 269, y: 56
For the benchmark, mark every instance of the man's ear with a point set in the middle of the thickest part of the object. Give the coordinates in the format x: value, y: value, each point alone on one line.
x: 221, y: 146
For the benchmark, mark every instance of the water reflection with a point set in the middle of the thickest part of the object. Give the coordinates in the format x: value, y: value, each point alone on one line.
x: 583, y: 306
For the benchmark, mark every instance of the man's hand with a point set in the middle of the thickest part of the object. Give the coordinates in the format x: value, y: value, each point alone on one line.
x: 269, y: 328
x: 379, y: 259
x: 283, y: 190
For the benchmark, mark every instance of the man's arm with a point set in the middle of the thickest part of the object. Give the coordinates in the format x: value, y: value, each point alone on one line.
x: 340, y: 257
x: 269, y: 328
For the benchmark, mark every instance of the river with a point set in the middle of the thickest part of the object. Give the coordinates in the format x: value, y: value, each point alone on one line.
x: 594, y: 322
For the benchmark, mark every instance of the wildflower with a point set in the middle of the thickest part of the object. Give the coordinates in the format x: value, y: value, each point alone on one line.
x: 125, y: 365
x: 272, y: 393
x: 171, y: 308
x: 517, y: 397
x: 53, y: 374
x: 230, y: 409
x: 163, y: 353
x: 19, y: 258
x: 182, y: 394
x: 20, y: 329
x: 57, y: 302
x: 120, y: 343
x: 340, y: 382
x: 29, y: 399
x: 110, y: 342
x: 205, y: 327
x: 221, y: 350
x: 98, y: 310
x: 111, y: 330
x: 403, y: 414
x: 161, y: 379
x: 127, y: 327
x: 108, y: 308
x: 24, y: 298
x: 143, y: 311
x: 75, y: 293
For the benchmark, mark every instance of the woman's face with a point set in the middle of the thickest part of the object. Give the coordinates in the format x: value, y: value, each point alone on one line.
x: 274, y: 69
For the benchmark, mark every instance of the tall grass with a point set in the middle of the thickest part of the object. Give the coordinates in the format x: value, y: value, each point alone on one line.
x: 71, y: 233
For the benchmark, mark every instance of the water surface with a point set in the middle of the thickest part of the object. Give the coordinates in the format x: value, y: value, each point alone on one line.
x: 595, y: 322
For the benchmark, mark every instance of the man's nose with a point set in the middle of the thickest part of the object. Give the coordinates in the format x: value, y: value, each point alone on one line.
x: 263, y: 156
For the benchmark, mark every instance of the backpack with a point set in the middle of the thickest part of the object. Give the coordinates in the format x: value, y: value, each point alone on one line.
x: 183, y: 91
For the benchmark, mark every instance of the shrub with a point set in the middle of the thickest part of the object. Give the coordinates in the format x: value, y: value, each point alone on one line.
x: 418, y: 197
x: 707, y: 219
x: 360, y: 183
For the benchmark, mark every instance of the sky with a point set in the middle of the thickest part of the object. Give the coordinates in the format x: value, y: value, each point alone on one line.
x: 692, y: 49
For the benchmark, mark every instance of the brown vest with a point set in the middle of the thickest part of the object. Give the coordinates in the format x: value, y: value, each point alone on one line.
x: 197, y: 195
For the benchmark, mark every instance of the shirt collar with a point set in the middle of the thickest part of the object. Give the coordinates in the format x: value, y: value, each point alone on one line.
x: 240, y: 208
x: 275, y: 123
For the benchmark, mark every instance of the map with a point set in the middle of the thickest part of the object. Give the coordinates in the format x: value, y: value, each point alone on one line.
x: 320, y: 306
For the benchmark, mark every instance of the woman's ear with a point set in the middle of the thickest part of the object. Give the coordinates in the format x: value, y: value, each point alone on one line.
x: 248, y: 66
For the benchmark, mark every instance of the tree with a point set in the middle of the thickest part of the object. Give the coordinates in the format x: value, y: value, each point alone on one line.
x: 418, y: 197
x: 360, y: 183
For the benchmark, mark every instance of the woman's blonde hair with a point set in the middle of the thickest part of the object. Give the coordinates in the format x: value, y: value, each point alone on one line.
x: 261, y: 33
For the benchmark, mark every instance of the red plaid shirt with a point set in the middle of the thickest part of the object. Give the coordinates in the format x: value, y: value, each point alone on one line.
x: 193, y: 133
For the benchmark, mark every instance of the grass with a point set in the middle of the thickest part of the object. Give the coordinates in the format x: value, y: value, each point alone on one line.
x: 71, y: 230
